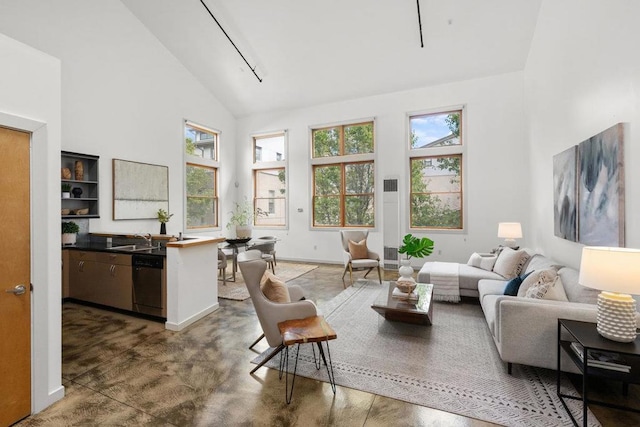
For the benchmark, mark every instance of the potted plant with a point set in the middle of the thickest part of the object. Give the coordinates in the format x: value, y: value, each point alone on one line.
x: 69, y: 231
x: 66, y: 190
x: 163, y: 217
x: 412, y: 246
x: 241, y: 218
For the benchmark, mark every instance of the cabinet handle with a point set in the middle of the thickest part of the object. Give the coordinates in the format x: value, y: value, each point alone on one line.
x: 113, y: 270
x: 81, y: 266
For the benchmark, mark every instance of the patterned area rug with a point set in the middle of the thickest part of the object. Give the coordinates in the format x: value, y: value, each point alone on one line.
x: 284, y: 270
x: 452, y: 365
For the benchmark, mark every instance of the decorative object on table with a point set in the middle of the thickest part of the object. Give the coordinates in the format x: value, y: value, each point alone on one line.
x: 412, y: 246
x: 163, y: 217
x: 79, y: 170
x: 565, y: 194
x: 77, y: 192
x: 616, y: 272
x: 510, y: 231
x: 241, y: 218
x: 405, y: 287
x: 65, y: 173
x: 82, y: 211
x: 601, y: 188
x: 69, y: 231
x: 66, y: 188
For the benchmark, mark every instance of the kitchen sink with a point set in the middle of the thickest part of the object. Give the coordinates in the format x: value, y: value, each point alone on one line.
x: 132, y: 248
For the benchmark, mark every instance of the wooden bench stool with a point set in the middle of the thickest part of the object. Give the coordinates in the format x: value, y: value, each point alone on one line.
x: 312, y: 329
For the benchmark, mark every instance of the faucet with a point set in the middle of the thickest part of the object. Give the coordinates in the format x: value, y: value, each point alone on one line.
x: 146, y: 238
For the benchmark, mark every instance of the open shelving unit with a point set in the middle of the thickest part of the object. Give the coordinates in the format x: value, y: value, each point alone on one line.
x: 89, y: 199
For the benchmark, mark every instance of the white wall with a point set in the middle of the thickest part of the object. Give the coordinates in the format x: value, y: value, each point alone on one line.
x: 30, y: 100
x: 124, y: 95
x: 496, y: 179
x: 582, y: 76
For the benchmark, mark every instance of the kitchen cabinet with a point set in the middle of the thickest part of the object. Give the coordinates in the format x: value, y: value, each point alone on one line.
x: 101, y: 278
x: 85, y: 197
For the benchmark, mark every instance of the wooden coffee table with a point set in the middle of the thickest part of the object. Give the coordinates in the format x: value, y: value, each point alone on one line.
x: 418, y: 311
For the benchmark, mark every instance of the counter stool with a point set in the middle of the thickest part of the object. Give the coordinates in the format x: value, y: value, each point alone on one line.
x: 312, y: 329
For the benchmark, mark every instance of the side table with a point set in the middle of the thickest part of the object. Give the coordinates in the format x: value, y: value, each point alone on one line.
x: 312, y: 329
x: 581, y: 342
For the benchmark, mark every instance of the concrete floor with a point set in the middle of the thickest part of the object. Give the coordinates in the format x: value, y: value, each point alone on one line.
x: 120, y: 370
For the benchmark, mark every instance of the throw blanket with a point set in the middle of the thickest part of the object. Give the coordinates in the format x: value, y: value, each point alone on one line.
x: 444, y: 276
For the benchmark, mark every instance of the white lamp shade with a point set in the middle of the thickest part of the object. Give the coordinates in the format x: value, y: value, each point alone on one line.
x: 509, y: 230
x: 611, y: 269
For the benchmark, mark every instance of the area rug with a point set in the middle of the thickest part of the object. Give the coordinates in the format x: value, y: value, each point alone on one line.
x: 284, y: 270
x: 452, y: 365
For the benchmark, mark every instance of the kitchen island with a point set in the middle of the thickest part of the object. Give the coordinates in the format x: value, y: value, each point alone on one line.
x: 182, y: 273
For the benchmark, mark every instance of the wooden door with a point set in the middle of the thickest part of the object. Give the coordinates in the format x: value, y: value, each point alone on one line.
x: 15, y: 271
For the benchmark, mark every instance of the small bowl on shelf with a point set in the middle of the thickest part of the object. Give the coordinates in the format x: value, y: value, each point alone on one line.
x: 82, y: 211
x: 65, y: 211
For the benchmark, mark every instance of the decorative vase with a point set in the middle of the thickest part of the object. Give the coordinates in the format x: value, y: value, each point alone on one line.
x: 79, y: 169
x: 68, y: 239
x: 243, y: 231
x: 163, y: 228
x: 77, y: 192
x: 406, y: 272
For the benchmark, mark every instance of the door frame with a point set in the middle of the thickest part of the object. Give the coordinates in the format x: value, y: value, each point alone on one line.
x: 46, y: 307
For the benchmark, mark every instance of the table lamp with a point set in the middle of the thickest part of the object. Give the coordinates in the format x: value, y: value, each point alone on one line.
x: 616, y: 272
x: 510, y: 231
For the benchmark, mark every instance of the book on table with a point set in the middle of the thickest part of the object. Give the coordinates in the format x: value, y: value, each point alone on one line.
x: 413, y: 296
x: 601, y: 359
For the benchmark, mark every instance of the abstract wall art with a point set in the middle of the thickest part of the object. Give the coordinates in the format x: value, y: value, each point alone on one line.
x: 565, y: 194
x: 601, y: 188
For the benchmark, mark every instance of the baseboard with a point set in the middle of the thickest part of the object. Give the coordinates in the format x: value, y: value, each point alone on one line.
x: 180, y: 326
x: 52, y: 397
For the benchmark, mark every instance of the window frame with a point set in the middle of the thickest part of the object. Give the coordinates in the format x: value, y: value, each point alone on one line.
x: 438, y: 152
x: 258, y: 165
x: 342, y: 160
x: 215, y: 165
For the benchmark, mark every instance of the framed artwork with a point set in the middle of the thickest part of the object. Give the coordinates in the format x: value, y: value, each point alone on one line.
x: 139, y: 190
x: 601, y: 188
x: 565, y: 194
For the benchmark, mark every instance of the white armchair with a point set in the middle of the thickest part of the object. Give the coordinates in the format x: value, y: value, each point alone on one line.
x: 370, y: 262
x: 271, y: 313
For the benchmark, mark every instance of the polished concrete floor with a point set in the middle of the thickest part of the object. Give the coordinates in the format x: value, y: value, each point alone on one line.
x: 120, y: 370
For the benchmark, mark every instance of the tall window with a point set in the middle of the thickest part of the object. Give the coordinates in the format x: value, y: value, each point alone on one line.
x: 201, y: 176
x: 270, y: 179
x: 343, y: 176
x: 435, y: 160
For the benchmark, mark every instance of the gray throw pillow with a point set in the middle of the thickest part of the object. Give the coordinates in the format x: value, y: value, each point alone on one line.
x: 510, y: 263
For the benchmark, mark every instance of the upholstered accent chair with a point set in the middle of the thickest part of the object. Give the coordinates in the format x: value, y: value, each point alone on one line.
x: 268, y: 250
x: 271, y: 313
x: 366, y: 259
x: 222, y: 266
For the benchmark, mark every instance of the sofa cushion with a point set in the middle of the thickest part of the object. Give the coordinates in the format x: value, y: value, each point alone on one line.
x: 514, y: 284
x: 509, y: 263
x: 490, y: 287
x: 556, y: 291
x: 537, y: 279
x: 540, y: 262
x: 483, y: 261
x: 489, y: 308
x: 575, y: 291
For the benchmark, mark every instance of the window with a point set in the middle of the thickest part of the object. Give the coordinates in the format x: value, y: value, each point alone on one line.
x: 201, y: 176
x: 435, y: 164
x: 270, y: 179
x: 343, y: 176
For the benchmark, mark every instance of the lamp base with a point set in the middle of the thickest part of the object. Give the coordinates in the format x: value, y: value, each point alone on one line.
x: 616, y: 316
x: 510, y: 243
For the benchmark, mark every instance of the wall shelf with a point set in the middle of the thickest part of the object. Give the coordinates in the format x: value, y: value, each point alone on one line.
x: 88, y: 184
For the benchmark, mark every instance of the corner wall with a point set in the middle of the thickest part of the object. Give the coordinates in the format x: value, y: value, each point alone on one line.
x: 582, y: 76
x: 495, y: 180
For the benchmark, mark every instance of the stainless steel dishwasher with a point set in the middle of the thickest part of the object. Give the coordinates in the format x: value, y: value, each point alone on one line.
x: 147, y: 284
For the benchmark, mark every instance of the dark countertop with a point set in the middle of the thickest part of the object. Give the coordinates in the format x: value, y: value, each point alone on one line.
x: 102, y: 247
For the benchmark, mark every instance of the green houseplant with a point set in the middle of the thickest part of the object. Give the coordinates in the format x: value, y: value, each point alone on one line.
x: 412, y: 246
x: 163, y: 218
x: 66, y: 190
x: 241, y: 218
x: 69, y: 231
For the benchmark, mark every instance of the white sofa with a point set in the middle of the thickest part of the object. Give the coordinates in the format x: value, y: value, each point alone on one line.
x: 525, y: 329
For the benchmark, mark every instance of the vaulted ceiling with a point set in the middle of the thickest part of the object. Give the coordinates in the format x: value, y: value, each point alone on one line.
x: 313, y: 52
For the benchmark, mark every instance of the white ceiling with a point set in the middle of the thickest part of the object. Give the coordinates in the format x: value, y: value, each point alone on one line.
x: 313, y: 52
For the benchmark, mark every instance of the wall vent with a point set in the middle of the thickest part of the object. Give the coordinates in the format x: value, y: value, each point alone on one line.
x: 391, y: 222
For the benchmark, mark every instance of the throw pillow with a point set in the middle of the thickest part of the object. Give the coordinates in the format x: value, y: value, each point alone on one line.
x: 539, y: 289
x: 274, y: 289
x: 358, y: 250
x: 483, y: 261
x: 556, y: 291
x: 514, y: 284
x: 537, y: 277
x: 510, y: 263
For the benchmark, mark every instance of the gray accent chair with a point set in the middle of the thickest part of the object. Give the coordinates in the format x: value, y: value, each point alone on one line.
x: 222, y: 266
x: 271, y: 313
x: 372, y: 261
